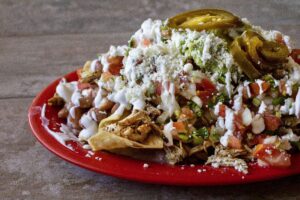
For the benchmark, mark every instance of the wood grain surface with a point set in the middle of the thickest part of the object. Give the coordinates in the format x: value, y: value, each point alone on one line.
x: 43, y: 40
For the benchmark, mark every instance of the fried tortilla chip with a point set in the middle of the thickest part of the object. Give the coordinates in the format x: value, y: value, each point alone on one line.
x: 105, y: 140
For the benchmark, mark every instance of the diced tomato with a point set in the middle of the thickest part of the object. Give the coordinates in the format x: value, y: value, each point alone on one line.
x: 205, y: 90
x: 271, y: 122
x: 261, y: 138
x: 206, y: 85
x: 158, y: 88
x: 265, y: 86
x: 272, y: 156
x: 204, y: 96
x: 234, y: 142
x: 105, y: 76
x: 255, y: 89
x: 245, y: 93
x: 258, y: 139
x: 296, y: 55
x: 240, y: 129
x: 115, y: 64
x: 146, y: 42
x: 180, y: 127
x: 82, y: 86
x: 282, y: 88
x: 222, y: 110
x: 186, y: 113
x: 78, y: 72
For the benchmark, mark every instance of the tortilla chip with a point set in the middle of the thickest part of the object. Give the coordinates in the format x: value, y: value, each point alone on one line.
x: 109, y: 120
x: 105, y: 140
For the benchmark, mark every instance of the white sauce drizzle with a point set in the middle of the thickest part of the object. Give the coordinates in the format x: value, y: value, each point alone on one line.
x: 90, y: 127
x: 297, y: 104
x: 168, y: 128
x: 66, y: 134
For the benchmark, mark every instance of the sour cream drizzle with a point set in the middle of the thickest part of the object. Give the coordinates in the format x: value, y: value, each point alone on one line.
x: 63, y: 136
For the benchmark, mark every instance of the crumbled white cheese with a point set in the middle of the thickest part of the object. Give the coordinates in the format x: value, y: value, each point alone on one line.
x: 270, y: 139
x: 290, y: 136
x: 246, y: 117
x: 145, y: 165
x: 238, y: 102
x: 206, y: 49
x: 228, y: 83
x: 229, y: 119
x: 225, y: 138
x: 258, y: 124
x: 188, y: 67
x: 197, y: 100
x: 117, y: 51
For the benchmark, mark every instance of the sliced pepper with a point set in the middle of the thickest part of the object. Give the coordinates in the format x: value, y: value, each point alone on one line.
x: 252, y: 53
x: 273, y: 51
x: 240, y: 56
x: 204, y: 19
x: 265, y: 54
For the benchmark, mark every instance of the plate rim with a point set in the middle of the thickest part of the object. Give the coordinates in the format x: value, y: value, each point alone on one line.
x: 149, y: 175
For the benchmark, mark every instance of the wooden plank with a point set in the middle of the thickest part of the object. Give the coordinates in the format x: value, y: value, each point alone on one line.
x: 29, y: 171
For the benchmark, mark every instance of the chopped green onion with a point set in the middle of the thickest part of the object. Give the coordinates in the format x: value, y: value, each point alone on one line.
x: 203, y: 132
x: 268, y: 132
x: 197, y: 140
x: 183, y: 137
x: 278, y: 101
x: 131, y: 43
x: 221, y: 79
x: 214, y: 136
x: 278, y: 114
x: 274, y: 92
x: 256, y: 102
x: 177, y: 113
x: 269, y: 78
x: 222, y: 98
x: 211, y: 104
x: 195, y: 108
x: 295, y: 88
x: 296, y: 144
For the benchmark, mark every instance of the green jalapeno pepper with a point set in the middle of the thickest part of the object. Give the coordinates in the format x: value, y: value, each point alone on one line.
x: 240, y: 56
x: 257, y: 56
x: 204, y: 19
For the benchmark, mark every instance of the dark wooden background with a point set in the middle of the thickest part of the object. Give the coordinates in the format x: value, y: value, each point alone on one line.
x: 42, y: 40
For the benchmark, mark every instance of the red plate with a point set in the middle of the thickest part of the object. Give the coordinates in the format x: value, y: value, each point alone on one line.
x: 127, y: 168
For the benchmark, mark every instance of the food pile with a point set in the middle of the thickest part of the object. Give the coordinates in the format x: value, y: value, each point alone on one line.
x: 204, y: 86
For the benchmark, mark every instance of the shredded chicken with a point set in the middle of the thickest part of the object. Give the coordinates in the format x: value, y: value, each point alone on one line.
x: 136, y: 127
x: 56, y: 101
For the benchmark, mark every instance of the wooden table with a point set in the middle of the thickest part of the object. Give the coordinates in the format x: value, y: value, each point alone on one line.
x: 42, y: 40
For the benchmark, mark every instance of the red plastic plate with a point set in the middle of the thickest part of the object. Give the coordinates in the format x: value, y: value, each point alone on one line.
x: 131, y: 169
